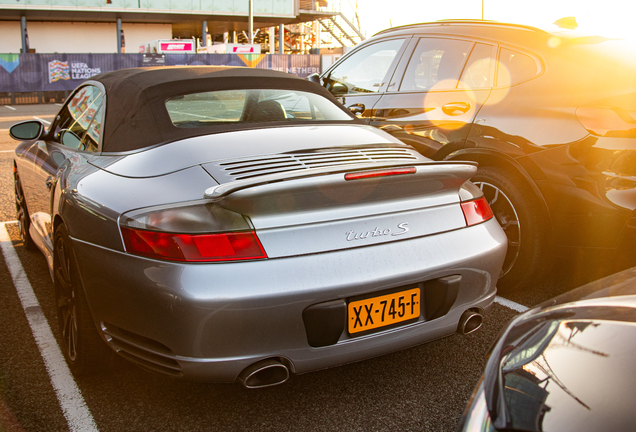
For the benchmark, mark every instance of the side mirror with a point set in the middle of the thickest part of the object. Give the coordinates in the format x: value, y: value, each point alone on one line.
x: 314, y: 78
x: 27, y: 130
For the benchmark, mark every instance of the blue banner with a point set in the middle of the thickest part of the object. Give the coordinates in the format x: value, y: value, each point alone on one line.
x: 59, y: 72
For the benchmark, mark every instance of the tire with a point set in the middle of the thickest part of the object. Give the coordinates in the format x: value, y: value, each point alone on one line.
x: 22, y: 214
x: 515, y: 205
x: 84, y: 350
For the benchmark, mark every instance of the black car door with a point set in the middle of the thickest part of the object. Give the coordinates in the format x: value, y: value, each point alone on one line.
x: 435, y: 93
x: 359, y: 79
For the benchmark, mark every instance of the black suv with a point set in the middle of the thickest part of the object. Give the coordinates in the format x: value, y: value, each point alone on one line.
x: 550, y: 116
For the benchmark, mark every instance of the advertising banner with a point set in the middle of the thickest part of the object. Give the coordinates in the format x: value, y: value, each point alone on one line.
x: 178, y: 46
x: 59, y: 72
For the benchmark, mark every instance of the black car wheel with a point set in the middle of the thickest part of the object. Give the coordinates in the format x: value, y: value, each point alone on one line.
x: 24, y: 222
x: 515, y: 207
x: 82, y: 346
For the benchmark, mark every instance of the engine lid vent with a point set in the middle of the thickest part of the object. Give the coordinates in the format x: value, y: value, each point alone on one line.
x: 230, y: 170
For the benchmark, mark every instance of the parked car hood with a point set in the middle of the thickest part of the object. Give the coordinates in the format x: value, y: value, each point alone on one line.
x: 568, y: 365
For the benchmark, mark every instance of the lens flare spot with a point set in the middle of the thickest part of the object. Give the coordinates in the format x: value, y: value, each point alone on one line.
x: 504, y: 80
x: 437, y: 97
x: 447, y: 125
x: 447, y: 84
x: 503, y: 75
x: 554, y: 42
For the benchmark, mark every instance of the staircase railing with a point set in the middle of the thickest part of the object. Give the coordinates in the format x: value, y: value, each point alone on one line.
x: 342, y: 30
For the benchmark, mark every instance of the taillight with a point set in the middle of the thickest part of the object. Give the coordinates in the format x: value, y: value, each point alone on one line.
x: 194, y: 232
x: 193, y: 247
x: 607, y: 121
x: 380, y: 173
x: 476, y: 211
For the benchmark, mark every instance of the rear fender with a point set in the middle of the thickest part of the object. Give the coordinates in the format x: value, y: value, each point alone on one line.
x: 489, y: 158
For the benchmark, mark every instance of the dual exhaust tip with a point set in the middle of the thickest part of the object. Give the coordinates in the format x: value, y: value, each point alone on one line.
x: 272, y: 371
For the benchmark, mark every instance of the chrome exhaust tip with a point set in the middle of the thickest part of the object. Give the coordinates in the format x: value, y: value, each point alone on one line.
x: 265, y: 373
x: 469, y: 322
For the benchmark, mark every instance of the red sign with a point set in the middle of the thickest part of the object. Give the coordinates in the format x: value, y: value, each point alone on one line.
x: 176, y: 46
x: 243, y: 49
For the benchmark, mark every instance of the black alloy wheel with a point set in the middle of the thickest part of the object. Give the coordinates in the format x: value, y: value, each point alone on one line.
x: 22, y: 214
x: 508, y: 218
x: 83, y: 348
x: 515, y: 206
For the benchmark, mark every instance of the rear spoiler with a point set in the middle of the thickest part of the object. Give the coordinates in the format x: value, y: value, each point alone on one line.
x: 219, y: 192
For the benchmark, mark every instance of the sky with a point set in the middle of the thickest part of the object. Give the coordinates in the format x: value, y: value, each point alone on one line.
x: 613, y: 18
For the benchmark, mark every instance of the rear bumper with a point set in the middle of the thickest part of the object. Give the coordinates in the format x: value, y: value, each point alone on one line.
x: 208, y: 322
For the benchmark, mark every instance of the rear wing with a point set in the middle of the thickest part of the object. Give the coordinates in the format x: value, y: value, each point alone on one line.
x: 460, y: 171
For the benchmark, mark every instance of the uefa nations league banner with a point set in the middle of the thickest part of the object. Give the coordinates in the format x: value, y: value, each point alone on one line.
x: 55, y: 72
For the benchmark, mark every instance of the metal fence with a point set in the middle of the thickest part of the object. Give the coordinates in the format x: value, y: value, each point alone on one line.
x: 44, y: 78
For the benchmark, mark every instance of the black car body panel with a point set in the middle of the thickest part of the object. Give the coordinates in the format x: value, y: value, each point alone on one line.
x: 565, y: 365
x: 552, y: 111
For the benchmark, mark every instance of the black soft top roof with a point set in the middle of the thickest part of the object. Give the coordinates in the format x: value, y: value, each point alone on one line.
x: 136, y: 115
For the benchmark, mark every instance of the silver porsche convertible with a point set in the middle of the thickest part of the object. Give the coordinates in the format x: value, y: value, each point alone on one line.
x: 233, y: 224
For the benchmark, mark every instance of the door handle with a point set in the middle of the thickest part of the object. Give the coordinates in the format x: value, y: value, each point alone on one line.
x: 49, y: 183
x: 357, y: 109
x: 456, y: 108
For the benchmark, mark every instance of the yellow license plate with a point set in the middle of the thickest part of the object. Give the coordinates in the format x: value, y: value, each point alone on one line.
x: 376, y: 312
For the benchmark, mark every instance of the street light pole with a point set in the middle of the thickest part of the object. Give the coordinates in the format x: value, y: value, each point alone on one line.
x: 251, y: 19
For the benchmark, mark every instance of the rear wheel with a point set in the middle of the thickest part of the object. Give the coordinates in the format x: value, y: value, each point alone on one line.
x: 515, y: 206
x: 24, y: 221
x: 83, y: 348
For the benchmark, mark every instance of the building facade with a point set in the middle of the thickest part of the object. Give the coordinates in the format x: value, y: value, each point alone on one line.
x: 116, y: 26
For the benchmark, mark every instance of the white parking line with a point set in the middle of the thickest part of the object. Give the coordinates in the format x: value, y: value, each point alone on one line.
x: 10, y: 107
x: 6, y: 151
x: 43, y: 121
x: 511, y: 305
x: 74, y: 407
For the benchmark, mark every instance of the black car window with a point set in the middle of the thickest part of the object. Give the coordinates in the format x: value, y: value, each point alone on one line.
x: 251, y: 106
x: 435, y: 63
x: 515, y: 67
x: 365, y: 70
x: 82, y: 118
x: 478, y: 71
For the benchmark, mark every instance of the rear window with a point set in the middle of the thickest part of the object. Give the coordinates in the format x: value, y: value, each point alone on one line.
x: 251, y: 106
x: 515, y: 68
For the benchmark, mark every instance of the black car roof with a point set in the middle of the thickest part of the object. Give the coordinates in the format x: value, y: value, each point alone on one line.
x: 477, y: 24
x: 508, y: 32
x: 516, y: 34
x: 136, y: 115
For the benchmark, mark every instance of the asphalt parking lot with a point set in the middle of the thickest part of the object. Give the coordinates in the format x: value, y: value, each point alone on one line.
x: 420, y: 389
